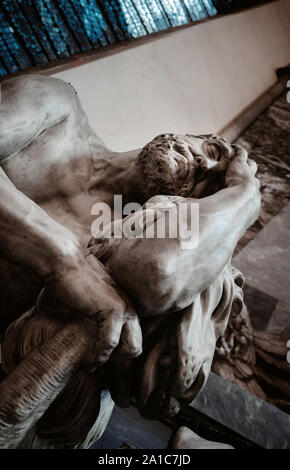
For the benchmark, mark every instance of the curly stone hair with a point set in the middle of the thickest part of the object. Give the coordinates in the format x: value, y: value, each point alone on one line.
x: 167, y: 166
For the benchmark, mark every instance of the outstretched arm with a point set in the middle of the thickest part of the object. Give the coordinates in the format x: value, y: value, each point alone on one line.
x: 173, y: 276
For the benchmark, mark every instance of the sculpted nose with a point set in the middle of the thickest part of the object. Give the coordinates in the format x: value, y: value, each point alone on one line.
x: 206, y: 163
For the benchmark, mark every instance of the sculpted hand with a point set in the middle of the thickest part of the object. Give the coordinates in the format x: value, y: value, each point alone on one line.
x: 49, y: 354
x: 241, y: 169
x: 85, y: 288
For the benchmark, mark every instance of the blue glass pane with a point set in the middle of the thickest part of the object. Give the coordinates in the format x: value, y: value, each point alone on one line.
x: 35, y: 32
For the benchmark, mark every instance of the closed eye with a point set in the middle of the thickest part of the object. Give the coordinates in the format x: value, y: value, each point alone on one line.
x: 214, y: 152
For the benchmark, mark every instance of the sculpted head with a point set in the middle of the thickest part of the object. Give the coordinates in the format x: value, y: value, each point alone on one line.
x: 173, y: 164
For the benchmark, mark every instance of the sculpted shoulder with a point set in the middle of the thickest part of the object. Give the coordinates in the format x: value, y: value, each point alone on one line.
x: 29, y: 105
x: 45, y: 137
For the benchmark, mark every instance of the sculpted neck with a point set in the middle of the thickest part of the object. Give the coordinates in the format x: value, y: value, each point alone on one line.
x: 117, y: 173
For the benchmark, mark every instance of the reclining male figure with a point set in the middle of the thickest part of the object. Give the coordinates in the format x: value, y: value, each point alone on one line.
x: 54, y: 169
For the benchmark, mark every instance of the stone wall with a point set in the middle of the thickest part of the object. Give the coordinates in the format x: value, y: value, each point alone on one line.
x: 195, y: 79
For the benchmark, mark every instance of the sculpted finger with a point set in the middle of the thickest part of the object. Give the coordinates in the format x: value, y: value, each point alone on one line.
x: 131, y: 338
x: 253, y: 166
x: 109, y: 327
x: 240, y: 153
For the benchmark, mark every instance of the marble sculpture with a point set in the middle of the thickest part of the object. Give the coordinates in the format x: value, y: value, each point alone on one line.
x: 86, y: 320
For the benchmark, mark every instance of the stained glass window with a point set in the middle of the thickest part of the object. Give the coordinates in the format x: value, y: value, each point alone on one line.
x: 35, y: 32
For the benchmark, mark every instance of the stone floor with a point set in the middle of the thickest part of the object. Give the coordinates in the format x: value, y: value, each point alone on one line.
x: 263, y: 254
x: 127, y: 429
x: 222, y: 412
x: 265, y: 261
x: 268, y: 141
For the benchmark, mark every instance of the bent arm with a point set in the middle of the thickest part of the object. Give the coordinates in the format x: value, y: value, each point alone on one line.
x: 224, y: 219
x: 226, y: 215
x: 160, y: 274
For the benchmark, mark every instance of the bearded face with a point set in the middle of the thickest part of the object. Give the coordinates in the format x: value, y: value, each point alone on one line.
x: 177, y: 165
